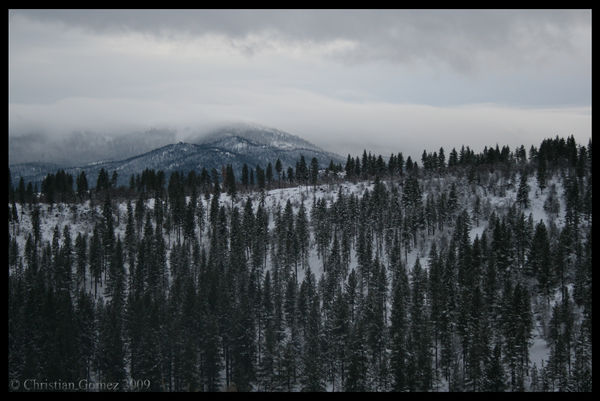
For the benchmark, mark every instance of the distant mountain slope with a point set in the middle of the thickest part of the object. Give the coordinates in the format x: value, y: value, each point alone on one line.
x: 258, y: 135
x: 234, y: 145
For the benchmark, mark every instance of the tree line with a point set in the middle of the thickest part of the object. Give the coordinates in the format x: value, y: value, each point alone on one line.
x: 200, y: 295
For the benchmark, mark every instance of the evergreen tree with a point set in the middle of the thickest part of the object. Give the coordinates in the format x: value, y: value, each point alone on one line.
x: 35, y: 224
x: 581, y: 372
x: 230, y: 183
x: 560, y: 342
x: 266, y: 368
x: 523, y: 192
x: 245, y: 178
x: 260, y: 177
x: 494, y: 372
x: 95, y: 257
x: 419, y: 359
x: 340, y: 332
x: 398, y: 335
x: 312, y: 375
x: 278, y: 168
x: 302, y: 236
x: 539, y: 259
x: 111, y: 362
x: 86, y: 329
x: 81, y: 261
x: 541, y: 171
x: 63, y: 270
x: 314, y: 171
x: 356, y: 380
x: 269, y: 174
x: 102, y: 182
x: 302, y: 170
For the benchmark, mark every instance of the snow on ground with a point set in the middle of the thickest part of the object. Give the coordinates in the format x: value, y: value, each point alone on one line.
x: 81, y: 217
x: 538, y: 197
x: 538, y: 352
x: 477, y: 231
x: 62, y: 214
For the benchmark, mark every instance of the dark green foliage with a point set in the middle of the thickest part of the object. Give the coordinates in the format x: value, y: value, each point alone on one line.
x: 495, y: 380
x: 269, y: 173
x: 523, y: 192
x: 539, y: 259
x: 231, y: 302
x: 314, y: 171
x: 260, y: 177
x: 230, y: 182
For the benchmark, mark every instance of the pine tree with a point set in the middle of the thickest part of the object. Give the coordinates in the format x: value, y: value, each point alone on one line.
x: 260, y: 177
x: 108, y: 236
x: 539, y: 259
x: 111, y: 337
x: 95, y: 257
x: 340, y: 332
x: 581, y: 372
x: 35, y: 224
x: 269, y: 174
x: 139, y: 213
x: 435, y: 290
x: 230, y: 183
x: 494, y: 372
x: 266, y: 369
x: 86, y: 329
x: 302, y: 170
x: 64, y: 275
x: 314, y: 171
x: 356, y: 380
x: 541, y: 171
x: 441, y: 160
x: 312, y: 374
x: 189, y: 223
x: 278, y: 168
x: 245, y: 177
x: 419, y: 361
x: 478, y: 346
x: 243, y: 345
x: 398, y: 335
x: 302, y: 235
x: 560, y: 342
x: 523, y: 192
x: 130, y: 237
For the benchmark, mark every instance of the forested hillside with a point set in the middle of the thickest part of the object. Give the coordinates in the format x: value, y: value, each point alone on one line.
x: 471, y: 272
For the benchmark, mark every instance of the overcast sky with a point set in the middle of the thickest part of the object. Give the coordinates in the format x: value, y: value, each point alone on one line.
x: 384, y: 80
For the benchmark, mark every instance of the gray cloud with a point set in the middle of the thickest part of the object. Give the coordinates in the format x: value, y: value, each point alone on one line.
x: 344, y: 79
x: 466, y: 40
x: 340, y: 126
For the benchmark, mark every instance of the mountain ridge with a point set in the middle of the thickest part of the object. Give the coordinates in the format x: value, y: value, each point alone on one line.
x: 227, y: 145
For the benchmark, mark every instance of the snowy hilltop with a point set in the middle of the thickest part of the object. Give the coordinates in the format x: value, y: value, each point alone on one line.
x: 235, y: 144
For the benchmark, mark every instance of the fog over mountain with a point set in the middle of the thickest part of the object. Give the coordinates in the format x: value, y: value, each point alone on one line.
x: 78, y: 148
x: 84, y: 147
x: 236, y: 144
x: 381, y: 80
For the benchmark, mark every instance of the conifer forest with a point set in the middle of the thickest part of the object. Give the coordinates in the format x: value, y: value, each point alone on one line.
x: 461, y: 272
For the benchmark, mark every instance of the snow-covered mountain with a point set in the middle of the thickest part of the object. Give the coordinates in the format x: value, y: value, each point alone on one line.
x: 256, y: 134
x: 235, y: 145
x: 473, y: 258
